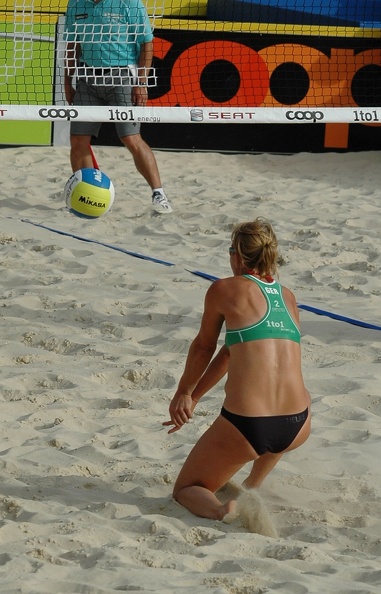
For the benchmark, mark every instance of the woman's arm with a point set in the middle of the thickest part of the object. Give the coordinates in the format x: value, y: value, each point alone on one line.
x: 216, y: 370
x: 199, y: 356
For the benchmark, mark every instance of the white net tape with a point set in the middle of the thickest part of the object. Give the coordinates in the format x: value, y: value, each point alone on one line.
x: 186, y: 115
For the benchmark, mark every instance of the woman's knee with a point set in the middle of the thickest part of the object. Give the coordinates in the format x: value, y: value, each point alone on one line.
x: 178, y: 492
x: 178, y: 487
x: 175, y: 492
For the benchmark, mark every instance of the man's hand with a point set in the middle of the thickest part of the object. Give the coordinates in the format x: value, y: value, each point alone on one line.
x: 139, y: 96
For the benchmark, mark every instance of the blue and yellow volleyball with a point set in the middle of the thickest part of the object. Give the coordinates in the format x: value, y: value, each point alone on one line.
x: 89, y: 193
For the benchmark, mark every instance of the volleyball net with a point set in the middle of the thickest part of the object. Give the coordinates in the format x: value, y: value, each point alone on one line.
x: 215, y: 61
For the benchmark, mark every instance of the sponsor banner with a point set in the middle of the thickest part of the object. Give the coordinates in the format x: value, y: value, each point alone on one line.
x: 279, y: 76
x: 58, y: 113
x: 264, y: 71
x: 199, y: 115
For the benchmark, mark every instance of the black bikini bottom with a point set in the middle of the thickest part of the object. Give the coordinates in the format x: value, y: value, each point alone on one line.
x: 268, y: 434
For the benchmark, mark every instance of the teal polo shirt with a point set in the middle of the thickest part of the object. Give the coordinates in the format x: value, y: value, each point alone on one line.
x: 110, y: 32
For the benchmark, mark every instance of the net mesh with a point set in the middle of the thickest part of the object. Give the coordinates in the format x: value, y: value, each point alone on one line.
x: 225, y: 54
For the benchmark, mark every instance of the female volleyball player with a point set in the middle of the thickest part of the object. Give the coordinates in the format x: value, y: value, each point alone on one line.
x: 266, y: 411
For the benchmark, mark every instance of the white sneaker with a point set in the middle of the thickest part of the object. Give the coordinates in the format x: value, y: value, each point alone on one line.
x: 160, y: 203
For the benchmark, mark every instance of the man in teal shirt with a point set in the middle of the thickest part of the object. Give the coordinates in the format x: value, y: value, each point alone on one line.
x: 110, y: 50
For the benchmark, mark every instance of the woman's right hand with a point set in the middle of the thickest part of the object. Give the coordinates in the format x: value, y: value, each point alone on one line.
x: 181, y: 411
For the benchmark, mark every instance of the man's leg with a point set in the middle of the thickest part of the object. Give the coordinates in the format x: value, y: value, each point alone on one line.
x: 146, y: 165
x: 80, y: 154
x: 144, y: 159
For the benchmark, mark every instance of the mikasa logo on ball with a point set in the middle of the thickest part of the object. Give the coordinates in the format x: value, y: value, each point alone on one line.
x: 90, y: 202
x: 89, y: 193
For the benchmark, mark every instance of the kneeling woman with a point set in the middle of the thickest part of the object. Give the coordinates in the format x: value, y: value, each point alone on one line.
x: 266, y: 411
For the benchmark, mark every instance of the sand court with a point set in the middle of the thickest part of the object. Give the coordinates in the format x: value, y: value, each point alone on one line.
x: 97, y: 317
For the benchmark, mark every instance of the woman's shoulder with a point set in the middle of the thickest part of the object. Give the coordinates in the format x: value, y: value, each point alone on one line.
x: 226, y: 282
x: 289, y: 298
x: 287, y: 292
x: 225, y: 288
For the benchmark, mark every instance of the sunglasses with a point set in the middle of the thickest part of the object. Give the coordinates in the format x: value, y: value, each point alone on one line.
x: 232, y: 250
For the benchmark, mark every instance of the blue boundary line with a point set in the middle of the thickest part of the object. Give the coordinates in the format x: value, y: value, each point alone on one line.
x: 108, y: 245
x: 320, y: 312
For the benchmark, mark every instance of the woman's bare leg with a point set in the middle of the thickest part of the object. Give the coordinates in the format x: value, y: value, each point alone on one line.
x: 264, y: 464
x: 202, y: 502
x: 261, y: 468
x: 217, y: 456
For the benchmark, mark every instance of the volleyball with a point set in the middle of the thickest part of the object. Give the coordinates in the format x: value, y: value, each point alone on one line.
x: 89, y: 193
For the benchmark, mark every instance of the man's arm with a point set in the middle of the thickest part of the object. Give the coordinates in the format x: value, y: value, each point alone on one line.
x: 72, y: 53
x: 140, y: 92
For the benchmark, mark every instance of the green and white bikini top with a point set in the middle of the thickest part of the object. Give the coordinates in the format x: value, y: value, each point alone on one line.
x: 276, y: 323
